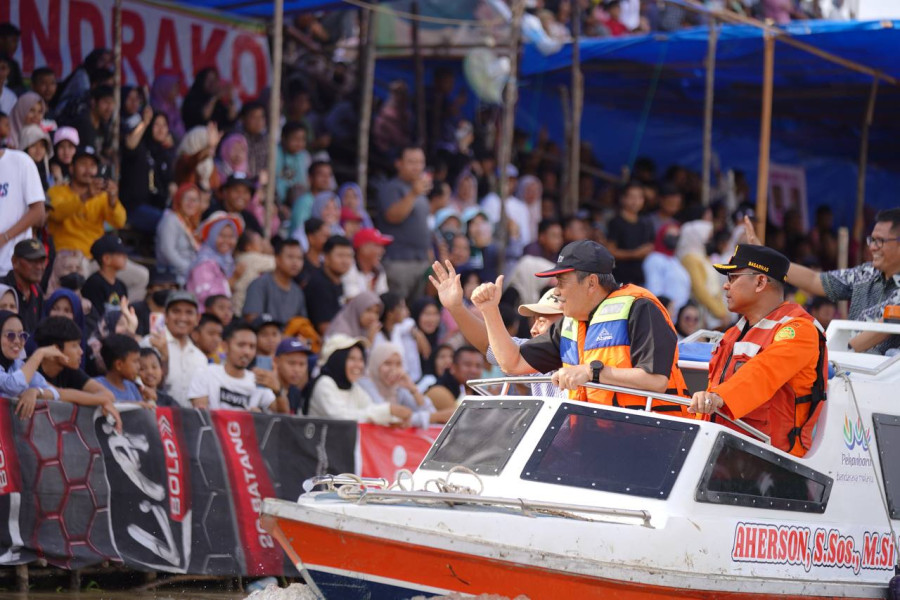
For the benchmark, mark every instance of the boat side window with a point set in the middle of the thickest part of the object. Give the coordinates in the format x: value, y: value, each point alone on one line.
x: 607, y: 450
x: 740, y: 473
x: 887, y: 434
x: 482, y: 435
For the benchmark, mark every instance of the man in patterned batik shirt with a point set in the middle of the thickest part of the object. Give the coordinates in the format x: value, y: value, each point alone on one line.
x: 869, y: 287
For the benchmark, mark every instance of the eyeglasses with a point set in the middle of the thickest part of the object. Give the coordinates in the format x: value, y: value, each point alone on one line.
x: 11, y: 336
x: 732, y: 277
x: 877, y: 242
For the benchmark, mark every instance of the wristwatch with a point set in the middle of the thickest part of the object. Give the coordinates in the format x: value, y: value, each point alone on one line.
x: 596, y: 367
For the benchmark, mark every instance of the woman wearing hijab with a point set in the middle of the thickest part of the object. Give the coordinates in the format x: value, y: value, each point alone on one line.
x: 176, y: 245
x: 351, y: 196
x: 35, y: 142
x: 426, y: 313
x: 234, y: 153
x: 336, y: 393
x: 20, y: 378
x: 358, y: 318
x: 213, y: 271
x: 465, y: 192
x: 327, y: 206
x: 147, y: 172
x: 664, y: 275
x: 29, y: 110
x: 164, y: 99
x: 208, y: 101
x: 9, y: 299
x: 387, y: 382
x: 706, y: 283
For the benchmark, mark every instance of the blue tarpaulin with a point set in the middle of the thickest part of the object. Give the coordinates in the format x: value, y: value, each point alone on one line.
x: 644, y: 97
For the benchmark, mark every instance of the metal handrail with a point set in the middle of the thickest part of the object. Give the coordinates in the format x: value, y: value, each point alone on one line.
x: 364, y: 496
x: 506, y: 382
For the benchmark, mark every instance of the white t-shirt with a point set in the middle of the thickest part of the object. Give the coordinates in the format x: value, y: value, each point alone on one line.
x: 20, y: 187
x: 228, y: 393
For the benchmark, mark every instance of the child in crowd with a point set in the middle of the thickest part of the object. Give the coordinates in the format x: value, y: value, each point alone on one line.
x: 268, y: 336
x: 292, y: 164
x: 103, y: 288
x: 65, y: 143
x: 152, y: 377
x: 208, y: 337
x: 122, y: 356
x: 221, y: 307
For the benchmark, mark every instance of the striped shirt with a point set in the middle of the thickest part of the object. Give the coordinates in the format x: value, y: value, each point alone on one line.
x: 868, y: 291
x: 540, y: 390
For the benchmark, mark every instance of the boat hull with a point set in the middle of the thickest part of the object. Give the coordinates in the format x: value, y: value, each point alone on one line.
x: 346, y: 565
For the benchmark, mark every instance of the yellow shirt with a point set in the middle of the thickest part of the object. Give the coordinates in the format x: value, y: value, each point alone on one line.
x: 76, y: 224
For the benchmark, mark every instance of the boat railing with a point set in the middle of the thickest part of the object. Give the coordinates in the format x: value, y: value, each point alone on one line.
x: 840, y: 332
x: 561, y: 509
x: 481, y: 385
x: 703, y: 335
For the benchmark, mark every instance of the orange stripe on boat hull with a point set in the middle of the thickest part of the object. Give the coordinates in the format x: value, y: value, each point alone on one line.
x: 436, y: 568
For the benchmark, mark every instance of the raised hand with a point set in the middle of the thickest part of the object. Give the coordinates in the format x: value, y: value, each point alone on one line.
x: 447, y: 283
x: 750, y: 232
x: 488, y: 294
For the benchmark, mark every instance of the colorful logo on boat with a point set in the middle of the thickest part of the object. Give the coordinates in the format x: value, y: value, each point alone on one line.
x: 855, y: 434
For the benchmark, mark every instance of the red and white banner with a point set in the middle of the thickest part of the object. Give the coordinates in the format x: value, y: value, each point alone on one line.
x: 250, y: 483
x: 157, y: 38
x: 386, y: 450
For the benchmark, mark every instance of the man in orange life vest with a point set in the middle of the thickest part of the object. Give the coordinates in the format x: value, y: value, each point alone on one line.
x: 770, y: 369
x: 609, y: 334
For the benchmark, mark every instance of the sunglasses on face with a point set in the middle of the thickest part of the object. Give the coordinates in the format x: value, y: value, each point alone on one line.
x: 732, y: 277
x: 11, y: 336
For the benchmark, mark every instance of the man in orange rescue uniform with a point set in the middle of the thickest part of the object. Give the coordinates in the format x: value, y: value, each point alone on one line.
x: 770, y: 369
x: 617, y: 335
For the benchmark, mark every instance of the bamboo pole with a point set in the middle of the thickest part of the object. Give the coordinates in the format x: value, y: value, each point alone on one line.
x: 571, y: 205
x: 504, y: 151
x: 765, y: 138
x: 274, y: 114
x: 117, y: 90
x: 859, y: 229
x: 566, y: 105
x: 419, y: 65
x: 367, y: 28
x: 843, y: 254
x: 708, y: 110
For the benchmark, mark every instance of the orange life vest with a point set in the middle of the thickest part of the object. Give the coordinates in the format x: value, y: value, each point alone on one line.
x: 606, y: 338
x: 734, y: 350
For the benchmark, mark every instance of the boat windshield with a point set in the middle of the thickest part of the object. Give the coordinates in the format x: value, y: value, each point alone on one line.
x: 482, y: 435
x: 607, y: 450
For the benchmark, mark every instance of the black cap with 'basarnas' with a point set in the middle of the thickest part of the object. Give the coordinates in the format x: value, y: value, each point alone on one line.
x: 583, y: 255
x: 759, y: 258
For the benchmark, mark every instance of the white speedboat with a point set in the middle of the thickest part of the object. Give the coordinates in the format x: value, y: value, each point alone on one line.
x: 554, y: 498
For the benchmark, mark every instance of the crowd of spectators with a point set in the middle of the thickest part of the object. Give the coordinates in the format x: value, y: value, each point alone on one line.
x: 167, y: 283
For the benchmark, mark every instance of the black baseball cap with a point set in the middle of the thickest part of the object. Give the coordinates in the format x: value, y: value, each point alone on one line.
x: 86, y: 151
x: 263, y: 320
x: 107, y: 244
x: 239, y: 178
x: 30, y: 249
x: 759, y: 258
x: 583, y: 255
